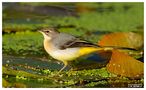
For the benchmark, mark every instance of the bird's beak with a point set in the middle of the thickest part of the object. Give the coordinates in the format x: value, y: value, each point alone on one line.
x: 40, y: 31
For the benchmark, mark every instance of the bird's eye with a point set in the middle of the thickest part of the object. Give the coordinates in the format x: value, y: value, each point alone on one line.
x: 47, y: 31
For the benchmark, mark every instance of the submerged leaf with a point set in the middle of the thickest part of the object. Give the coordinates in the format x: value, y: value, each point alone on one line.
x: 5, y: 83
x: 19, y: 85
x: 124, y: 65
x: 21, y: 74
x: 122, y: 39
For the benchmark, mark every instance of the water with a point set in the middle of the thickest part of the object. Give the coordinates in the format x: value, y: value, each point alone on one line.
x: 40, y: 63
x: 32, y: 65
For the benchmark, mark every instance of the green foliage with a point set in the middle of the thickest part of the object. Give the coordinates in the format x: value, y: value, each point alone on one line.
x: 8, y: 27
x: 113, y: 21
x: 46, y: 3
x: 100, y: 83
x: 123, y: 17
x: 83, y: 78
x: 24, y: 43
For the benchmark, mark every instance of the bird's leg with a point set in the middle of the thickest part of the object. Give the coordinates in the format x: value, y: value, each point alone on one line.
x: 62, y: 68
x: 65, y: 65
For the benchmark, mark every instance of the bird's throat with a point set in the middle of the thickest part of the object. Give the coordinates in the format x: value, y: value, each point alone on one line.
x: 48, y: 46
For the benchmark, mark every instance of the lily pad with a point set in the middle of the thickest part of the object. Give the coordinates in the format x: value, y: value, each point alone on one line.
x: 122, y: 39
x: 125, y: 65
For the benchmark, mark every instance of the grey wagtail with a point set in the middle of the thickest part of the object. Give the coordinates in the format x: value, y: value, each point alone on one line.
x: 65, y: 47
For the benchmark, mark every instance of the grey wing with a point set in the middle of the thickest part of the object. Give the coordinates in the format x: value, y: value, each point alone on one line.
x: 61, y: 40
x: 68, y: 41
x: 79, y: 43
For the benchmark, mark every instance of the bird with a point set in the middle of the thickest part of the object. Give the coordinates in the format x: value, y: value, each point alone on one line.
x: 66, y: 47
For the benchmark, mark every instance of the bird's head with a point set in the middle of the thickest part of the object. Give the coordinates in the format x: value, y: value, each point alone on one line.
x: 49, y: 33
